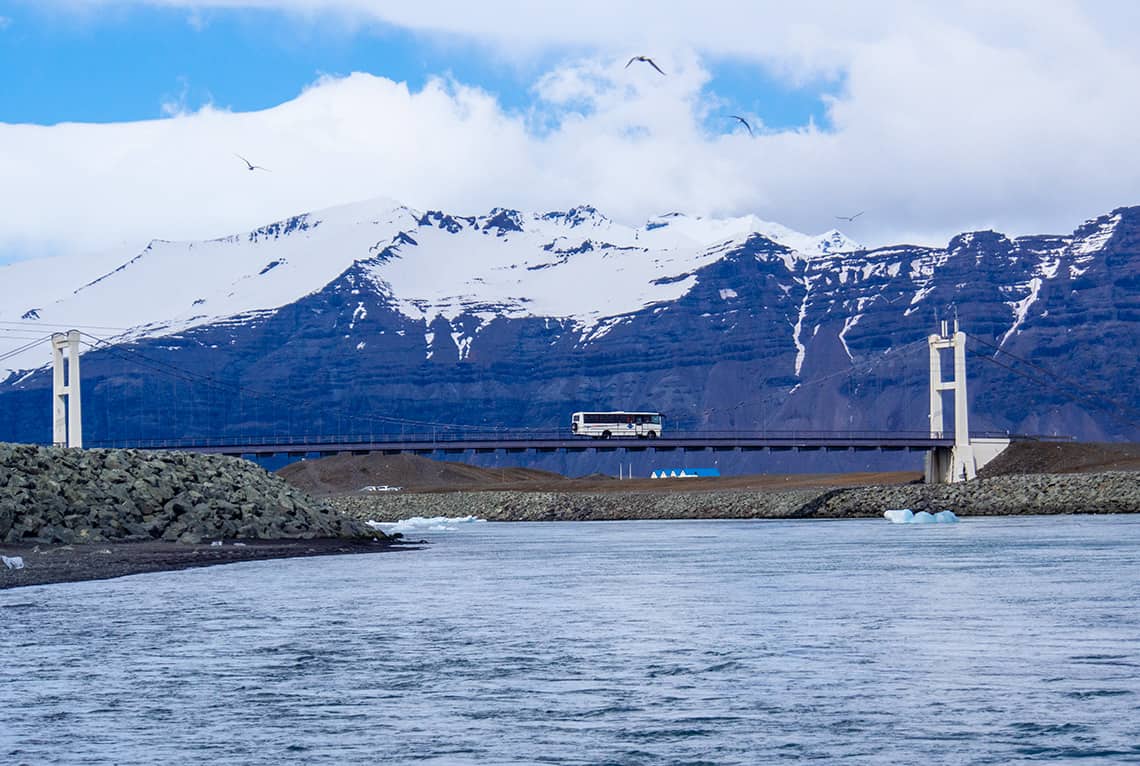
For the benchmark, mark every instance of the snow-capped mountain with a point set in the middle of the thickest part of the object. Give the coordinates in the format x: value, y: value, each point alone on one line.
x: 504, y: 264
x: 364, y: 317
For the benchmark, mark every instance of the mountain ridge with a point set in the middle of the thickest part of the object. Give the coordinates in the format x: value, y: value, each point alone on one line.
x: 384, y: 315
x: 388, y: 229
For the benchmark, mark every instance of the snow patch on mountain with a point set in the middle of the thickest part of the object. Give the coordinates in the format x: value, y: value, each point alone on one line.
x: 1095, y: 242
x: 451, y: 269
x: 797, y: 328
x: 848, y: 323
x: 576, y: 265
x: 1021, y: 309
x: 173, y: 286
x: 677, y: 229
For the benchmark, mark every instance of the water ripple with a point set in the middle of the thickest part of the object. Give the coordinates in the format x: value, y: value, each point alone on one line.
x: 990, y: 642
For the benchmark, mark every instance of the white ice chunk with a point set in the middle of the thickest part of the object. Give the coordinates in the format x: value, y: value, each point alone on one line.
x: 422, y: 524
x: 13, y: 562
x: 900, y: 516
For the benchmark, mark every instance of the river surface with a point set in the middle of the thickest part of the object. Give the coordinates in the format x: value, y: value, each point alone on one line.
x: 989, y: 641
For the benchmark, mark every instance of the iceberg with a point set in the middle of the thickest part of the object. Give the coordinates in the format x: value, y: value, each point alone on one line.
x: 906, y: 516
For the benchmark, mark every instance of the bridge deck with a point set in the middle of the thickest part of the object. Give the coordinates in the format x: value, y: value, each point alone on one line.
x: 688, y: 443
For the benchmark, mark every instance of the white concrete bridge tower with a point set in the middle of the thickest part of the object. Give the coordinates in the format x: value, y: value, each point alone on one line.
x: 957, y: 463
x: 67, y: 417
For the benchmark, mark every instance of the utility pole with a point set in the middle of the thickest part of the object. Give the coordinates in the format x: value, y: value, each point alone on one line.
x: 67, y: 417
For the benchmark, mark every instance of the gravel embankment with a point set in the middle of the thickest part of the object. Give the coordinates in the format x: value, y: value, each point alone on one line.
x: 575, y: 506
x: 53, y: 495
x: 1111, y: 492
x: 1108, y: 492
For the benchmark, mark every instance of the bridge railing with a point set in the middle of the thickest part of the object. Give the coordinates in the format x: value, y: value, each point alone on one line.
x: 443, y: 437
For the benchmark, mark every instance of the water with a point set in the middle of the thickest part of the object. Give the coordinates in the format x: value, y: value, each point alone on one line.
x: 991, y: 641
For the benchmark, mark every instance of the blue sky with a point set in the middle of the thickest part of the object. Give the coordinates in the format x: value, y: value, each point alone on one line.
x: 120, y: 119
x: 126, y: 65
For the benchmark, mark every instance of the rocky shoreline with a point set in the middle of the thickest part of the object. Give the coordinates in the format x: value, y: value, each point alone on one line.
x: 72, y: 514
x: 53, y: 495
x: 1108, y: 492
x: 46, y: 564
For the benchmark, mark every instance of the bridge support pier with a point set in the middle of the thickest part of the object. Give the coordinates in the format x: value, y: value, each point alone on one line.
x: 941, y: 461
x: 67, y: 417
x: 949, y: 465
x: 946, y: 466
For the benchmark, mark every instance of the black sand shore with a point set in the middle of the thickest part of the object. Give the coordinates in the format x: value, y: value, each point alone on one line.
x: 47, y: 564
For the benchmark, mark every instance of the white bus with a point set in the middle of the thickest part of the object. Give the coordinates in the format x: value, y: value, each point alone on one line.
x: 603, y: 425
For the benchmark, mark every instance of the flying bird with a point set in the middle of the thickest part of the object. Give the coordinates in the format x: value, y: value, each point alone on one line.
x: 646, y: 59
x: 849, y: 217
x: 737, y: 117
x: 251, y: 166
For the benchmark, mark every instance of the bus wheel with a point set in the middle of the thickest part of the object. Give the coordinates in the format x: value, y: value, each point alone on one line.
x: 606, y: 434
x: 652, y: 434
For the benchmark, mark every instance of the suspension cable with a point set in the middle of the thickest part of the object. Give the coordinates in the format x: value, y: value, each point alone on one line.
x: 26, y: 347
x: 188, y: 376
x: 1091, y: 395
x: 1046, y: 383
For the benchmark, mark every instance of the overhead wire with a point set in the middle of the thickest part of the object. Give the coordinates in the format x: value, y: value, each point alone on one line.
x: 1091, y: 396
x: 1093, y: 399
x: 1046, y: 371
x: 870, y: 364
x: 191, y: 377
x: 26, y: 347
x: 36, y: 323
x: 865, y: 366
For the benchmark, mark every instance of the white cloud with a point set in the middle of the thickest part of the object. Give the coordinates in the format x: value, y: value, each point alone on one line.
x: 950, y: 118
x: 177, y: 105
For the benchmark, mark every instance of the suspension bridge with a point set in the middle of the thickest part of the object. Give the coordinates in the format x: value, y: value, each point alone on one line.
x: 952, y: 454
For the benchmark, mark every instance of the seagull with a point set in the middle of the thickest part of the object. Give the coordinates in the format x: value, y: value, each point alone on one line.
x: 250, y: 165
x: 849, y: 217
x: 646, y: 59
x: 737, y: 117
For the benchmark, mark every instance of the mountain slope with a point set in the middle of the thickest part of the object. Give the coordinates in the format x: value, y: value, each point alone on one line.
x: 432, y: 264
x: 375, y: 318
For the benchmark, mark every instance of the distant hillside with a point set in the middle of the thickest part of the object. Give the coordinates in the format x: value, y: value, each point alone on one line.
x: 350, y: 473
x: 1063, y: 457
